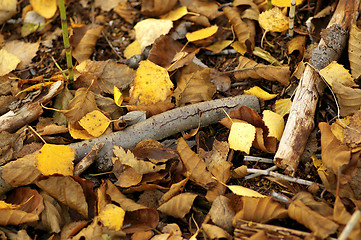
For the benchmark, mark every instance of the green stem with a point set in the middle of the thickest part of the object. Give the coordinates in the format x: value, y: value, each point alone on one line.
x: 269, y: 4
x: 64, y: 27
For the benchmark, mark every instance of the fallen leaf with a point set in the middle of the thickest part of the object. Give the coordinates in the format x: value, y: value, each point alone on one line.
x: 112, y: 216
x: 260, y: 93
x: 273, y: 20
x: 215, y: 232
x: 8, y: 62
x: 282, y: 106
x: 156, y: 8
x: 352, y: 133
x: 55, y: 159
x: 95, y: 123
x: 275, y: 123
x: 245, y: 192
x: 354, y: 50
x: 132, y: 49
x: 202, y: 33
x: 7, y: 10
x: 128, y: 13
x: 176, y: 14
x: 241, y: 136
x: 107, y: 5
x: 285, y: 3
x: 45, y: 8
x: 179, y: 205
x: 24, y: 51
x: 336, y: 72
x: 151, y: 84
x: 145, y: 37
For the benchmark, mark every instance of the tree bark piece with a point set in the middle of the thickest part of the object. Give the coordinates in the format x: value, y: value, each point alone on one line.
x: 163, y: 125
x: 301, y: 119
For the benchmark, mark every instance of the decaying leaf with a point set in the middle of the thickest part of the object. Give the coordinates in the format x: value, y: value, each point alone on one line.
x: 273, y: 20
x: 248, y: 68
x: 83, y: 48
x: 197, y: 170
x: 179, y: 205
x: 205, y: 8
x: 352, y: 133
x: 107, y: 5
x: 67, y: 191
x: 7, y: 10
x: 24, y: 51
x: 125, y: 11
x: 193, y: 85
x: 215, y: 232
x: 151, y: 84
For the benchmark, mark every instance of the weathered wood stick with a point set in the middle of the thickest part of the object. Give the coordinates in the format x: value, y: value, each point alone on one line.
x: 163, y: 125
x: 301, y: 119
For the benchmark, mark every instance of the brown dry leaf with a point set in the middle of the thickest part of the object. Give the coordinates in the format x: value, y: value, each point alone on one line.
x: 108, y: 4
x: 273, y: 20
x: 82, y: 103
x: 127, y: 177
x: 45, y: 8
x: 54, y: 215
x: 334, y: 154
x: 67, y: 191
x: 321, y: 226
x: 215, y: 232
x: 194, y: 85
x: 145, y: 37
x: 86, y: 41
x: 174, y: 189
x: 222, y: 206
x: 105, y: 75
x: 8, y: 62
x: 248, y: 68
x: 244, y: 30
x: 206, y: 8
x: 24, y: 51
x: 16, y: 217
x: 22, y: 171
x: 197, y: 169
x: 245, y: 192
x: 151, y: 110
x: 155, y: 8
x: 352, y: 133
x: 163, y: 51
x: 354, y: 50
x: 181, y: 59
x: 152, y: 84
x: 139, y: 216
x: 124, y: 10
x: 179, y: 205
x: 349, y: 99
x: 321, y: 208
x: 140, y: 166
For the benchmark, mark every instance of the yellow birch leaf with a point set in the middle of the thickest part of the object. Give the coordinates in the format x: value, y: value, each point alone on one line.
x: 132, y: 49
x: 243, y: 191
x: 241, y: 136
x: 176, y: 14
x: 151, y: 84
x: 336, y: 72
x: 118, y: 96
x: 77, y: 132
x: 273, y: 20
x: 285, y: 3
x: 95, y: 123
x: 45, y: 8
x: 283, y: 106
x: 8, y: 62
x: 219, y: 46
x: 241, y: 48
x: 202, y: 33
x: 112, y: 217
x: 260, y: 93
x: 275, y: 123
x: 55, y: 159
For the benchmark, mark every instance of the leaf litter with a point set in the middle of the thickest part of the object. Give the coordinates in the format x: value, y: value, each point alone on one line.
x: 153, y: 56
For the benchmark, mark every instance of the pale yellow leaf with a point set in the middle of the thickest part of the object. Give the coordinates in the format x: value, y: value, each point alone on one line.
x: 275, y: 124
x: 243, y: 191
x: 336, y: 72
x: 8, y: 62
x: 78, y: 132
x: 241, y: 48
x: 283, y: 106
x: 260, y: 93
x: 118, y: 96
x: 241, y: 136
x: 148, y: 30
x: 55, y: 159
x: 45, y: 8
x: 202, y: 33
x: 273, y: 20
